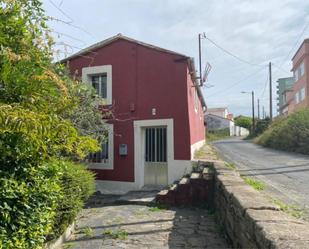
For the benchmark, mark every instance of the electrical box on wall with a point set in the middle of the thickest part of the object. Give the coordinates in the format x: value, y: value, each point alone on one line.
x: 123, y: 149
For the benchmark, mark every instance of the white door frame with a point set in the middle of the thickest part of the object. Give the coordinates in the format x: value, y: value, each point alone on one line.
x: 139, y: 137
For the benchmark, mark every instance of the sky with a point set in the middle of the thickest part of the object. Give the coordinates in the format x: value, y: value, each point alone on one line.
x: 256, y: 32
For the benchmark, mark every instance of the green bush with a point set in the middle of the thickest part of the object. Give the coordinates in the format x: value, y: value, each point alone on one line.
x: 289, y: 133
x: 77, y: 185
x: 28, y: 200
x: 35, y: 98
x: 261, y: 126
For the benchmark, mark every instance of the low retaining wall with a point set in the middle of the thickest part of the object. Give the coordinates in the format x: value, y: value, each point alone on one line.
x: 249, y: 219
x: 56, y: 243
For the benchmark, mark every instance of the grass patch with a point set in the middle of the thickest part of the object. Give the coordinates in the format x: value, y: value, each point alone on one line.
x: 217, y: 135
x: 88, y: 231
x: 158, y: 207
x: 68, y: 245
x: 257, y: 185
x: 120, y: 234
x: 199, y: 153
x: 230, y: 166
x: 292, y: 210
x: 289, y: 133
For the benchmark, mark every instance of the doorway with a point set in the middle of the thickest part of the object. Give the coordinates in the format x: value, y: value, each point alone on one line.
x: 155, y: 156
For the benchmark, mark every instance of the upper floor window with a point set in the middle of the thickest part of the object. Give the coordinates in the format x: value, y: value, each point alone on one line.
x: 99, y: 83
x: 300, y: 71
x: 302, y: 94
x: 100, y: 78
x: 195, y: 99
x: 296, y: 98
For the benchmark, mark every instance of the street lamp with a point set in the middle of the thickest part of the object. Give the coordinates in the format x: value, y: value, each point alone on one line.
x: 253, y: 119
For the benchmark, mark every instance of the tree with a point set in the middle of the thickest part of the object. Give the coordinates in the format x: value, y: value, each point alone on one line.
x: 38, y: 129
x: 243, y: 121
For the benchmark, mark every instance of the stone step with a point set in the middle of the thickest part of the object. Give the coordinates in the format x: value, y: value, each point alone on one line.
x: 174, y: 187
x: 184, y: 180
x: 195, y: 176
x: 208, y: 174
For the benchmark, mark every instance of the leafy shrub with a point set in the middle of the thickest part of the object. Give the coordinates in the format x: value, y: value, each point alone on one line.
x: 28, y: 200
x: 77, y: 185
x: 243, y: 121
x: 289, y: 133
x: 261, y: 125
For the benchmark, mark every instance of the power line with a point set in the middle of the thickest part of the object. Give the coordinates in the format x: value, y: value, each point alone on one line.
x: 265, y: 86
x: 70, y: 24
x: 279, y: 68
x: 69, y: 36
x: 231, y: 54
x: 236, y: 83
x: 295, y: 44
x: 59, y: 9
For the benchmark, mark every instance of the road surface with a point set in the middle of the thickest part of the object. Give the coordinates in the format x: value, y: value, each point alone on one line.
x: 286, y: 174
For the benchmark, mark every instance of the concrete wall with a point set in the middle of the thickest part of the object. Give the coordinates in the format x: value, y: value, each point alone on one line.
x: 239, y: 131
x: 217, y: 123
x: 249, y: 219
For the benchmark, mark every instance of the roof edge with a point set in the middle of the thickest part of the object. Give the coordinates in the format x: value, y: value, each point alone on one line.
x: 304, y: 41
x: 119, y: 37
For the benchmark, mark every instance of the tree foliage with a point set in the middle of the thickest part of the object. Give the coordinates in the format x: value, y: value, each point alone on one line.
x: 243, y: 121
x: 38, y: 132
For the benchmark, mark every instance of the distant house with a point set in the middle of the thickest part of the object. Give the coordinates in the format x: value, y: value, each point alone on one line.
x: 158, y: 111
x: 221, y: 112
x: 297, y: 96
x: 217, y: 119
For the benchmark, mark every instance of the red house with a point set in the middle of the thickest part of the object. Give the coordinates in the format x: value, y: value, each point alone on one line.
x: 158, y: 110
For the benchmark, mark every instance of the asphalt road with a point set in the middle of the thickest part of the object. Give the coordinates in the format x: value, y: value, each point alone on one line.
x: 286, y: 175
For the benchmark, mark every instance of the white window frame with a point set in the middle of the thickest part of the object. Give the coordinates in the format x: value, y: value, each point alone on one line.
x: 110, y: 162
x: 301, y: 69
x: 195, y: 99
x: 88, y: 72
x: 302, y: 93
x: 297, y: 97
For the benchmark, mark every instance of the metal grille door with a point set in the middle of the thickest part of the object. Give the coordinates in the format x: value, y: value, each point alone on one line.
x: 156, y: 156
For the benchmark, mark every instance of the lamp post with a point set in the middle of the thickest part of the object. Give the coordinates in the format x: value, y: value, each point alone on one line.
x: 253, y: 118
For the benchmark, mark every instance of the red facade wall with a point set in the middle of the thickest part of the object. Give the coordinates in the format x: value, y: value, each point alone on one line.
x: 196, y: 117
x: 144, y: 78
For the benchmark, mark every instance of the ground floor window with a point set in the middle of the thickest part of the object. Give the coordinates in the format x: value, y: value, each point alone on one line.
x: 104, y: 157
x: 100, y: 156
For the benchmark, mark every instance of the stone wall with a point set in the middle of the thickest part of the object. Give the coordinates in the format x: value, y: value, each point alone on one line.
x: 250, y: 220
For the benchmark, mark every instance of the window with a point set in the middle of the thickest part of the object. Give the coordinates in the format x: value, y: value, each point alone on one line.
x: 100, y: 156
x: 100, y: 78
x: 302, y: 94
x: 104, y: 158
x: 195, y: 99
x: 296, y: 98
x: 99, y: 83
x: 300, y: 71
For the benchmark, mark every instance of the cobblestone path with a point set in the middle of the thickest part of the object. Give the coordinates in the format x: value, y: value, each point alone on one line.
x: 139, y: 227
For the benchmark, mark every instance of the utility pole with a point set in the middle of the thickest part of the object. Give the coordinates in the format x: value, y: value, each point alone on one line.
x: 253, y: 118
x: 200, y: 57
x: 263, y: 112
x: 258, y: 103
x: 270, y: 95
